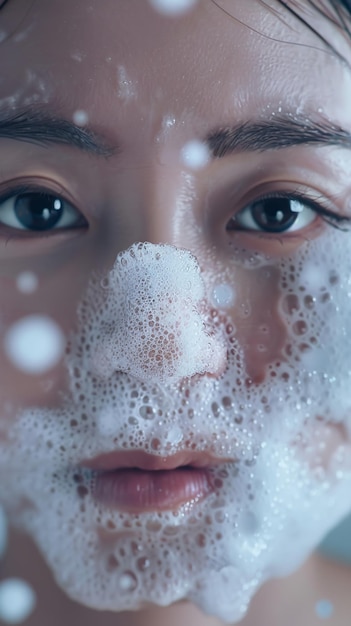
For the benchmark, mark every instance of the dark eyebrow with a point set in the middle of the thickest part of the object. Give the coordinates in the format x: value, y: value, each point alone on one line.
x: 275, y: 133
x: 44, y: 129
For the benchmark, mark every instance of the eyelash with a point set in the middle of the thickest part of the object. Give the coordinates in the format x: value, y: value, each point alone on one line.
x: 333, y: 219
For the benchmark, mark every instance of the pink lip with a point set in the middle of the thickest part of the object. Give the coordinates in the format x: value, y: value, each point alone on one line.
x: 138, y: 482
x: 141, y: 460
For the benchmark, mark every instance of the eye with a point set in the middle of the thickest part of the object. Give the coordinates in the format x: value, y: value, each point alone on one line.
x: 274, y: 215
x: 37, y: 210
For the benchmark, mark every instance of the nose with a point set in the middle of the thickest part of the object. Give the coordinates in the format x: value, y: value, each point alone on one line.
x: 155, y: 323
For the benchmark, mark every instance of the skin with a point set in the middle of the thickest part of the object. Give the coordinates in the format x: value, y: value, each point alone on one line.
x: 115, y: 65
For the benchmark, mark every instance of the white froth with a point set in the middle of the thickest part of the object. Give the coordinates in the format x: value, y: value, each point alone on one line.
x: 278, y: 496
x: 17, y: 600
x: 156, y: 293
x: 195, y: 155
x: 27, y: 282
x: 34, y: 344
x: 223, y: 295
x: 173, y: 7
x: 313, y: 276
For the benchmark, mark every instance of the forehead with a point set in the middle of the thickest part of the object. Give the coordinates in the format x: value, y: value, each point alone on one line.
x: 118, y: 59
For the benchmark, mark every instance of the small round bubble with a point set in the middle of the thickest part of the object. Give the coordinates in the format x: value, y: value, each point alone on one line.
x: 324, y: 609
x: 80, y: 117
x: 195, y: 155
x: 173, y: 7
x: 17, y: 601
x: 34, y: 344
x: 27, y: 282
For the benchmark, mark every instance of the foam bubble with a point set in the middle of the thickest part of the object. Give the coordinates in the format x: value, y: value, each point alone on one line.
x: 17, y: 600
x: 27, y: 282
x: 173, y: 7
x: 223, y: 295
x: 34, y: 344
x: 195, y: 155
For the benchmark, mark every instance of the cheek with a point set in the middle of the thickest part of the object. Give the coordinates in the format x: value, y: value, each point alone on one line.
x: 261, y: 331
x: 53, y: 302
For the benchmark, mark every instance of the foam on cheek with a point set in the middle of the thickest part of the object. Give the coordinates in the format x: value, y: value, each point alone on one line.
x: 138, y: 366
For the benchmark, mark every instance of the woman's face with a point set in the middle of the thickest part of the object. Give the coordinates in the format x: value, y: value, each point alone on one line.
x: 185, y: 246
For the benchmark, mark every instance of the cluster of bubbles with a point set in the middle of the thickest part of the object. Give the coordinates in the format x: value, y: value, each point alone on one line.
x: 151, y: 368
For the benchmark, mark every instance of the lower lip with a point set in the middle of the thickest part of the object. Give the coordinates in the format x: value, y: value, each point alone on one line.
x: 139, y: 491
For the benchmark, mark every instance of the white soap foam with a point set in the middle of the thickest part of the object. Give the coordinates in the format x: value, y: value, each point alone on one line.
x: 167, y: 310
x: 223, y: 295
x: 278, y: 496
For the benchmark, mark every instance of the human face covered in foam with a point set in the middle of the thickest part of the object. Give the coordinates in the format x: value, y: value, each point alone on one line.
x: 206, y: 320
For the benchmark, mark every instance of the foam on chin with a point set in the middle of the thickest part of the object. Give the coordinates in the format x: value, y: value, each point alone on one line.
x: 122, y: 396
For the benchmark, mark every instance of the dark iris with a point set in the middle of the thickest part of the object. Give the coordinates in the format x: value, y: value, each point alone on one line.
x: 274, y: 214
x: 38, y: 211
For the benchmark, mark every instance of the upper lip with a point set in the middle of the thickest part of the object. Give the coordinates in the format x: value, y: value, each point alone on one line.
x: 150, y: 462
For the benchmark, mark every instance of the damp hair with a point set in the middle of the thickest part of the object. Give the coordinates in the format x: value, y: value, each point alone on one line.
x: 340, y: 8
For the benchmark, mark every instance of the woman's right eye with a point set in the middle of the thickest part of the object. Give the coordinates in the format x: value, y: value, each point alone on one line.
x: 39, y: 211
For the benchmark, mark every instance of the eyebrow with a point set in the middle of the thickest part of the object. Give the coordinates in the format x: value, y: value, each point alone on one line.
x: 44, y: 129
x: 276, y: 133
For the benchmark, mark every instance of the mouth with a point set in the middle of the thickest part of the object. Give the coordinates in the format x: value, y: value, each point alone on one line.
x: 136, y: 482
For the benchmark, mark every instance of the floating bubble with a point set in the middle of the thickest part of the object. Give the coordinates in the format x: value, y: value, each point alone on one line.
x: 80, y: 117
x: 172, y: 7
x: 195, y: 154
x: 324, y: 609
x: 34, y: 344
x: 17, y: 600
x: 27, y: 282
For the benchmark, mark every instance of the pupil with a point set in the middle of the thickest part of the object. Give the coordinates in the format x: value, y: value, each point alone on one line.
x: 38, y: 211
x: 274, y: 214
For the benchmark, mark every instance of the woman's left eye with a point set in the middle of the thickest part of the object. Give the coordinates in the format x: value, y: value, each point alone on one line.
x: 39, y: 211
x: 273, y: 215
